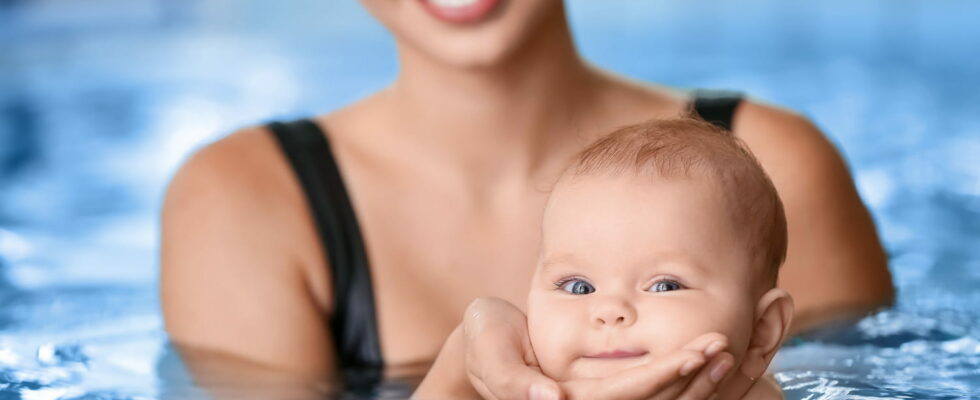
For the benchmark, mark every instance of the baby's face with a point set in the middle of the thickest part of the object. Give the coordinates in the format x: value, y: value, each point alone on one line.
x: 632, y: 269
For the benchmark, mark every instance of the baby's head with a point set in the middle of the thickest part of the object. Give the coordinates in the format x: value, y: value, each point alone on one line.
x: 656, y: 234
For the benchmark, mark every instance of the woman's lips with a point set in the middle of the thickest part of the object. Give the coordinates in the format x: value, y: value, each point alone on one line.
x: 459, y: 11
x: 618, y: 354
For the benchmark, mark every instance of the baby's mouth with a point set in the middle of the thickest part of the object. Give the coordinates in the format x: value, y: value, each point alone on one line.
x: 608, y: 362
x: 617, y: 354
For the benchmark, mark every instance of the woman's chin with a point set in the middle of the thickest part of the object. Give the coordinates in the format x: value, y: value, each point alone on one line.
x: 466, y: 52
x: 486, y: 44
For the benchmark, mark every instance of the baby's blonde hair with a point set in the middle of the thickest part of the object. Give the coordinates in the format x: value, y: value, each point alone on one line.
x: 690, y: 148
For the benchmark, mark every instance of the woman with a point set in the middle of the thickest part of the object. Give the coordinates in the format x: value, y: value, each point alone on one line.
x: 443, y: 175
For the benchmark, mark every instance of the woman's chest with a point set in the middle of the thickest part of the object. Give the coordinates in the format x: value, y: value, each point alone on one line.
x: 430, y: 257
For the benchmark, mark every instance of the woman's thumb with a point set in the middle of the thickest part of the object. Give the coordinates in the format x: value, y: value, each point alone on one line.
x: 543, y: 390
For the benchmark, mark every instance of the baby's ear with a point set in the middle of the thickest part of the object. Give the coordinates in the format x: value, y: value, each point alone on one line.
x: 774, y: 313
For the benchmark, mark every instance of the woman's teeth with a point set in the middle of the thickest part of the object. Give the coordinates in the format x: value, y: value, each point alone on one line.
x: 452, y: 3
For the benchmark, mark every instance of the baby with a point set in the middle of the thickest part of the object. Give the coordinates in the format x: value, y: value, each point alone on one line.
x: 657, y: 234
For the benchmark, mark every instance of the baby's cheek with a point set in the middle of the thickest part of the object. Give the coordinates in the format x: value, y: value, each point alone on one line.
x: 549, y: 348
x: 670, y: 329
x: 735, y: 322
x: 554, y: 335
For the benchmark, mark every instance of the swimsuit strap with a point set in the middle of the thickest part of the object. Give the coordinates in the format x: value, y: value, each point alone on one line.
x: 353, y: 323
x: 716, y: 106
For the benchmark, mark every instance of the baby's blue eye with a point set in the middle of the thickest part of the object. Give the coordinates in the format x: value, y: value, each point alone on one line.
x: 576, y: 286
x: 665, y: 286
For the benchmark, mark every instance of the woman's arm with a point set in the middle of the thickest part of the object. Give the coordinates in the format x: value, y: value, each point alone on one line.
x: 231, y: 279
x: 835, y: 266
x: 487, y: 356
x: 225, y: 377
x: 447, y: 378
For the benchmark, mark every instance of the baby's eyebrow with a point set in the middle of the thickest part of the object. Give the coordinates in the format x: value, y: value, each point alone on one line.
x: 687, y: 266
x: 670, y: 261
x: 674, y: 259
x: 563, y: 259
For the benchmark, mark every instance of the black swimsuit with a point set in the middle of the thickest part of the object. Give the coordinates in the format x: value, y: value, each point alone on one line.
x: 354, y: 323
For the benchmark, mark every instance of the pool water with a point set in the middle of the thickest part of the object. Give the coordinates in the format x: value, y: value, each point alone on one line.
x: 100, y: 101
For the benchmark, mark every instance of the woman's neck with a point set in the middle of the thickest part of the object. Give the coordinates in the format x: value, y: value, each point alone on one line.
x: 500, y: 121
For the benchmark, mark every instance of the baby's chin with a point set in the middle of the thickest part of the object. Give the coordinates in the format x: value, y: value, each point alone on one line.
x: 585, y: 368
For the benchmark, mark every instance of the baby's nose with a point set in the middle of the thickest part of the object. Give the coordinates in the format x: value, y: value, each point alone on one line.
x: 610, y: 319
x: 614, y: 312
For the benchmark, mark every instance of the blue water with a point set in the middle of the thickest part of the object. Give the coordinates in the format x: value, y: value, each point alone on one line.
x: 100, y: 101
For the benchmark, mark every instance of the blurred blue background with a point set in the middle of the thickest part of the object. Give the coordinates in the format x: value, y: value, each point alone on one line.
x: 101, y: 100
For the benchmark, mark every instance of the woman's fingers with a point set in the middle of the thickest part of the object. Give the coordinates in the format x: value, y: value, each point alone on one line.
x: 520, y: 382
x: 641, y: 382
x: 482, y: 388
x: 664, y: 378
x: 710, y: 343
x: 497, y: 353
x: 705, y: 383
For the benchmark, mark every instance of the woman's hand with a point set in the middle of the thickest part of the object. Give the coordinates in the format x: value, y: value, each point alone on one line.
x: 499, y: 361
x: 487, y: 356
x: 680, y: 375
x: 501, y: 365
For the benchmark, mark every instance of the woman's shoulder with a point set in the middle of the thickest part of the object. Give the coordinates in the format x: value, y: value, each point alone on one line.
x: 248, y: 173
x: 825, y: 215
x: 236, y: 250
x: 234, y: 208
x: 757, y: 119
x: 243, y: 167
x: 759, y: 123
x: 789, y: 145
x: 239, y: 194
